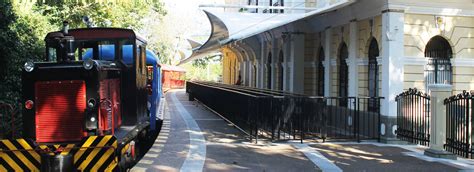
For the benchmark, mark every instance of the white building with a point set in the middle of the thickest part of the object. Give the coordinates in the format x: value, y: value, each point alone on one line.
x: 346, y: 48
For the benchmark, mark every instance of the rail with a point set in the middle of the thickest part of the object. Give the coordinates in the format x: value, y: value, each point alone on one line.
x: 281, y: 115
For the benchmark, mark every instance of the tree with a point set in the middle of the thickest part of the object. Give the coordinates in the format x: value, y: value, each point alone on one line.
x: 25, y: 24
x: 21, y: 38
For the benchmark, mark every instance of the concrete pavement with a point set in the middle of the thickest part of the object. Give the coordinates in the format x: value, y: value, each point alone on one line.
x: 194, y: 139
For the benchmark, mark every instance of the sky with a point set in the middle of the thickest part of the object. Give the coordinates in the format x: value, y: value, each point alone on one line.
x: 188, y: 20
x: 185, y: 20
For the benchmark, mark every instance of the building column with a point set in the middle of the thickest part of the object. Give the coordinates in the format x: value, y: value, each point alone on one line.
x: 261, y: 66
x: 327, y: 62
x: 286, y: 64
x: 297, y: 63
x: 273, y: 65
x: 249, y: 73
x: 352, y: 60
x: 259, y: 74
x: 392, y: 70
x: 438, y: 92
x: 243, y: 72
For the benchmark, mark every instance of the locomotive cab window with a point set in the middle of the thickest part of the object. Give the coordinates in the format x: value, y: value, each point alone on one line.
x: 61, y: 50
x: 51, y: 54
x: 107, y: 50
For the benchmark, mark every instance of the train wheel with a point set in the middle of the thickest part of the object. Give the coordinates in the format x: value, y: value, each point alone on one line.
x: 135, y: 150
x: 128, y: 159
x: 123, y: 163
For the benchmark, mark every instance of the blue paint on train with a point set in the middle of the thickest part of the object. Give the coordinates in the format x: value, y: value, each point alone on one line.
x: 107, y: 52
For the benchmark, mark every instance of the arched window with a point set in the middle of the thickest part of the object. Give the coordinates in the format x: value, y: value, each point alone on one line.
x: 281, y: 71
x: 343, y: 74
x: 438, y: 69
x: 320, y: 72
x: 269, y: 71
x: 373, y: 75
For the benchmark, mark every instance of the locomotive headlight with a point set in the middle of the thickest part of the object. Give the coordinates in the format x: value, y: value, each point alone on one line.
x: 92, y: 119
x: 88, y: 64
x: 91, y: 102
x: 29, y: 104
x: 29, y: 66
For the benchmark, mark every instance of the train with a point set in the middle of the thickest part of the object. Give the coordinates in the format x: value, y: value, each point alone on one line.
x: 89, y: 106
x: 172, y: 77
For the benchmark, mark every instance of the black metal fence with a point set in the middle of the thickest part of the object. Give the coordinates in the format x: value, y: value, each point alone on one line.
x: 413, y: 117
x: 459, y: 119
x: 281, y: 115
x: 10, y: 120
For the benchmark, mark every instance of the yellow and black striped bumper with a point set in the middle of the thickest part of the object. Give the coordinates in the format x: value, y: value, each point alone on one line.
x: 93, y: 153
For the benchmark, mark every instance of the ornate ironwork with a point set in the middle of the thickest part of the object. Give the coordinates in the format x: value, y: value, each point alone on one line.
x: 413, y: 116
x: 459, y: 119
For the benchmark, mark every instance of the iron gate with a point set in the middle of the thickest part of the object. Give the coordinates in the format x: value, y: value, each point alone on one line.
x: 459, y: 119
x: 413, y: 117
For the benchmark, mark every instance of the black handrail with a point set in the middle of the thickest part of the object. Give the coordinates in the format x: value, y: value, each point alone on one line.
x: 280, y: 115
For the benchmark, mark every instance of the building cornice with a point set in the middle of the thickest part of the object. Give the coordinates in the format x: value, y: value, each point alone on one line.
x: 443, y: 11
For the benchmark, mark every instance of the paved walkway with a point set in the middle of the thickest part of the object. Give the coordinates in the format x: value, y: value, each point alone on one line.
x: 179, y: 146
x: 194, y: 139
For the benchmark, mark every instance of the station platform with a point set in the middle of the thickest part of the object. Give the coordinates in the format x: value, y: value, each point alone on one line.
x: 193, y: 138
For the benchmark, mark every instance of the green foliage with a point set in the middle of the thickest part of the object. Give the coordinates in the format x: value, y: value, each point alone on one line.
x: 202, y: 63
x: 128, y: 14
x: 206, y: 69
x: 21, y: 38
x: 24, y: 24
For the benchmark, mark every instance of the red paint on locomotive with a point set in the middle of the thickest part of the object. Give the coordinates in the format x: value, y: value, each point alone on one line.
x: 109, y: 113
x: 60, y: 107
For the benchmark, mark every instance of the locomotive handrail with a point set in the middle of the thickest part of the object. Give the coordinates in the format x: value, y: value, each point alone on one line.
x: 109, y: 105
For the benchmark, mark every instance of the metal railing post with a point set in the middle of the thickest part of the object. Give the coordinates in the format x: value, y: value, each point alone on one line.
x: 356, y: 126
x: 379, y: 123
x: 301, y: 120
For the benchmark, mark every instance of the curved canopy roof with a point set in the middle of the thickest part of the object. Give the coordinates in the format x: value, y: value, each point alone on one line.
x: 194, y: 44
x: 230, y: 27
x: 107, y: 52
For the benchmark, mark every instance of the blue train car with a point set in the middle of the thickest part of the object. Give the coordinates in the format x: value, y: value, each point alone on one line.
x: 154, y: 84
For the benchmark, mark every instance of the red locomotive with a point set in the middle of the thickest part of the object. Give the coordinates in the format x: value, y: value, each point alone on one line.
x: 86, y: 106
